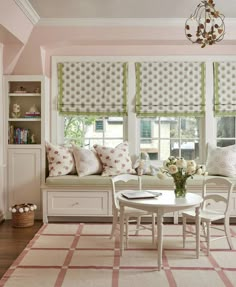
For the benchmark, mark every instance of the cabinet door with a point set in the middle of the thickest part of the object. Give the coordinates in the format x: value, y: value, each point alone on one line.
x: 24, y: 176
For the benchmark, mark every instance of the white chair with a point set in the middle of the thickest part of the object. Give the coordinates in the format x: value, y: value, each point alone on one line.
x: 209, y: 214
x: 130, y: 214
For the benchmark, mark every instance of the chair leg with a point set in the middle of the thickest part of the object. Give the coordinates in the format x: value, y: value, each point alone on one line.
x: 138, y: 225
x: 126, y: 231
x: 227, y: 233
x: 153, y: 229
x: 114, y: 223
x: 184, y: 230
x: 204, y: 230
x: 208, y: 236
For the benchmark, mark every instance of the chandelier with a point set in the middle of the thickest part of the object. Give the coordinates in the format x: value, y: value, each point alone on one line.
x: 206, y: 25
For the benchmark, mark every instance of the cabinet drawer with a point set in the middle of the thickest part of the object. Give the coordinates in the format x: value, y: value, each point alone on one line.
x: 78, y: 203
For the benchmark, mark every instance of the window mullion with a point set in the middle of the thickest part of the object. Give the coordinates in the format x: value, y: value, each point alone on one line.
x: 179, y: 135
x: 210, y: 128
x: 103, y: 130
x: 133, y: 131
x: 159, y: 138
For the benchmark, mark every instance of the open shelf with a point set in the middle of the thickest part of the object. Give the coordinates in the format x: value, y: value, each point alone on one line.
x: 24, y: 122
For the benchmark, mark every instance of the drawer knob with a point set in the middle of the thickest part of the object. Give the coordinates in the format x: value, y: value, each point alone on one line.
x: 76, y: 203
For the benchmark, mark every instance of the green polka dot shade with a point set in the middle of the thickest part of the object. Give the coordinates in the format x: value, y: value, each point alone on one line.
x: 92, y: 88
x: 170, y: 88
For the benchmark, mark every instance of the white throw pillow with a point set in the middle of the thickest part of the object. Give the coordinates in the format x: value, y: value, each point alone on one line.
x: 87, y: 161
x: 115, y: 160
x: 221, y: 160
x: 60, y: 160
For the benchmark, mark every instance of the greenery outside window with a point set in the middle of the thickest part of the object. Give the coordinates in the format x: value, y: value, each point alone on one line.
x: 81, y: 130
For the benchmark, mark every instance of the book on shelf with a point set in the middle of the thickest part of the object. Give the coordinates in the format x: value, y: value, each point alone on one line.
x: 32, y: 115
x: 19, y: 135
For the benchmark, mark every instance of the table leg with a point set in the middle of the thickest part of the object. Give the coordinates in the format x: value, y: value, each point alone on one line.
x: 197, y: 210
x: 160, y: 239
x: 121, y: 228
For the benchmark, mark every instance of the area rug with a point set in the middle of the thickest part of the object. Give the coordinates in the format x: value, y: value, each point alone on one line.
x: 82, y: 255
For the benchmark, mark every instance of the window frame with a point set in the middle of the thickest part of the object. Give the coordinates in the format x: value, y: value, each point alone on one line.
x: 159, y: 139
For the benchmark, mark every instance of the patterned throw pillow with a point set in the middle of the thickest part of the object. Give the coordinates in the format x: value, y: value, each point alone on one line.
x: 87, y: 161
x: 221, y: 160
x: 115, y: 160
x: 60, y: 160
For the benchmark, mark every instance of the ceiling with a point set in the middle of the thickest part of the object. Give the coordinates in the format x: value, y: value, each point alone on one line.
x: 124, y: 8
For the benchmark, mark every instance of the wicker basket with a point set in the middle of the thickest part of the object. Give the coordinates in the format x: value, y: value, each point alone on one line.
x: 22, y: 218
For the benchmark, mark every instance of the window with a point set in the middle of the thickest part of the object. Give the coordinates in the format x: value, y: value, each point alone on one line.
x: 83, y: 131
x: 145, y: 131
x: 99, y: 126
x: 224, y: 102
x: 160, y: 135
x: 226, y: 131
x: 170, y: 136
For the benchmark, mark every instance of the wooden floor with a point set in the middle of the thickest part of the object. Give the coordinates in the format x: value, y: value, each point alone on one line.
x: 13, y: 241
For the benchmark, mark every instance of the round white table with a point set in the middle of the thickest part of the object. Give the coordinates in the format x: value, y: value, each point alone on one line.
x: 167, y: 202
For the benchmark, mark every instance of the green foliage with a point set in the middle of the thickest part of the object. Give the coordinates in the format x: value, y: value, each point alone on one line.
x: 76, y: 128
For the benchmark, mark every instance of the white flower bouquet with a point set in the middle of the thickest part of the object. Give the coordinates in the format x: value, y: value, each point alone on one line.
x: 180, y: 170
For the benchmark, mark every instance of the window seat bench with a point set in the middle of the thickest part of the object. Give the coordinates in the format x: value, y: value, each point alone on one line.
x: 90, y: 196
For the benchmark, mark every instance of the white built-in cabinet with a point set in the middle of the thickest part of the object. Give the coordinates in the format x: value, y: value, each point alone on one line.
x: 25, y: 135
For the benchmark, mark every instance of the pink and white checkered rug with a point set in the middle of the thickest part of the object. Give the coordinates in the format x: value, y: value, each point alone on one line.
x: 82, y: 255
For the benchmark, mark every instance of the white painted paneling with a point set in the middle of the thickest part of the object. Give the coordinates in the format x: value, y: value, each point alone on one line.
x: 24, y: 176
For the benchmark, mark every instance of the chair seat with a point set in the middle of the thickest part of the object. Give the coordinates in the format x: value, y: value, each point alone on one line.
x: 205, y: 215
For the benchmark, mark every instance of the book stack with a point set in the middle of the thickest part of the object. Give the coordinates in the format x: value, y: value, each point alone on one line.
x: 21, y: 136
x: 32, y: 115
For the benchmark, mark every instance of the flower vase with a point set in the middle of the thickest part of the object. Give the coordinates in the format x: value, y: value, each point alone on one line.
x: 180, y: 190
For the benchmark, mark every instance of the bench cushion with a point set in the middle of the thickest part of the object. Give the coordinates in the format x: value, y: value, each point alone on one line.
x: 148, y: 181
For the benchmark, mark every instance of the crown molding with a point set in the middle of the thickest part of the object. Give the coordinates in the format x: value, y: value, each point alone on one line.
x: 110, y: 22
x: 28, y: 10
x: 119, y: 22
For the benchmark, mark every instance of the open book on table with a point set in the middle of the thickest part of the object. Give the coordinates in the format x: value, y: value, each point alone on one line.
x: 133, y: 194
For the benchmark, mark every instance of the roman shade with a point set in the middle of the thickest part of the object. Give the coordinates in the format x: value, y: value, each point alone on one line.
x: 92, y: 88
x: 225, y: 88
x: 170, y: 89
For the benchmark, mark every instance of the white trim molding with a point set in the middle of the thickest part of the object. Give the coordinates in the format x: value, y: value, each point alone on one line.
x: 28, y: 10
x: 119, y: 22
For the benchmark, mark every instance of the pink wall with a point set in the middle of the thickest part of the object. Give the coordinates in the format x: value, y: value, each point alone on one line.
x: 15, y: 29
x: 29, y: 49
x: 13, y: 19
x: 107, y: 41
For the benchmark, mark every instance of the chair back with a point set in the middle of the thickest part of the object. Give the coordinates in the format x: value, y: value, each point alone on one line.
x: 123, y: 178
x: 223, y: 185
